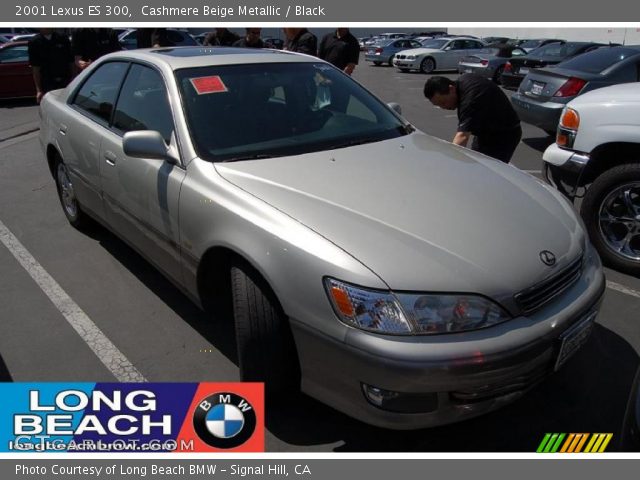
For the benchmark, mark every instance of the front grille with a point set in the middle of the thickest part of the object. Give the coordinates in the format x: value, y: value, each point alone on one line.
x: 401, y: 57
x: 534, y: 298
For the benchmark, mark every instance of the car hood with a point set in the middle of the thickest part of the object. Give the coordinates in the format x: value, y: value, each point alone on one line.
x: 421, y: 213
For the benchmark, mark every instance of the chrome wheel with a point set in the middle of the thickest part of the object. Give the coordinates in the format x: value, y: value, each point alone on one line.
x: 428, y: 65
x: 67, y: 194
x: 619, y: 221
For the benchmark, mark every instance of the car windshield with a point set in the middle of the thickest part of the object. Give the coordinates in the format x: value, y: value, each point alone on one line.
x: 434, y: 43
x: 252, y: 111
x: 559, y: 50
x: 598, y: 60
x: 531, y: 44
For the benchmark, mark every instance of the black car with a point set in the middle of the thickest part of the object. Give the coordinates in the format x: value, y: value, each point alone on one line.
x: 529, y: 45
x: 516, y: 69
x: 545, y: 91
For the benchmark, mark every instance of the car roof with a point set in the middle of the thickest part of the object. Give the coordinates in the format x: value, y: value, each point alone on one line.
x: 198, y: 56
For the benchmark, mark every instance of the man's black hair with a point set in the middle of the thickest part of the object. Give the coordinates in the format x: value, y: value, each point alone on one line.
x: 437, y: 84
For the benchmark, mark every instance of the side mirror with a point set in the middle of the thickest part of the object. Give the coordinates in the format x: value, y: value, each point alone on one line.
x: 146, y: 144
x: 395, y: 107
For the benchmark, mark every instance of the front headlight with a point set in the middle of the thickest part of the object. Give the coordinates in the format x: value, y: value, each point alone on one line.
x: 409, y: 313
x: 411, y: 57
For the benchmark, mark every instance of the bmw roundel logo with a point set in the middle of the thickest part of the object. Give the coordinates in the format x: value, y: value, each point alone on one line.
x: 224, y: 420
x: 548, y: 258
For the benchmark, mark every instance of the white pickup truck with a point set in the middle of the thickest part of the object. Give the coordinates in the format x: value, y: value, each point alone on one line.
x: 596, y: 158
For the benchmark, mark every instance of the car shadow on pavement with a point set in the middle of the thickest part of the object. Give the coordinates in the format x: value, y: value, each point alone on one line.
x: 539, y: 143
x: 220, y: 334
x: 5, y: 376
x: 588, y: 395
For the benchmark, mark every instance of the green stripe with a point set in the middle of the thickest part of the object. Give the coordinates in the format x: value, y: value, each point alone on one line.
x: 551, y: 442
x: 543, y: 443
x: 558, y: 443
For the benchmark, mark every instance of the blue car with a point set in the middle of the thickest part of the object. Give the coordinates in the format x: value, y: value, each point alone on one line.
x: 384, y: 51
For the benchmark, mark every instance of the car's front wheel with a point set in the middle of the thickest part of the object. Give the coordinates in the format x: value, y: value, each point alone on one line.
x: 611, y: 211
x: 428, y: 65
x: 266, y: 350
x: 67, y: 195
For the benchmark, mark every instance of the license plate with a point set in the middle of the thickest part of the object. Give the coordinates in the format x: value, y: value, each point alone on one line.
x: 574, y: 338
x: 537, y: 88
x: 523, y: 70
x: 468, y: 70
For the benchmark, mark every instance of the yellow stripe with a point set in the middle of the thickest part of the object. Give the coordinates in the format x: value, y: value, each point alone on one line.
x: 590, y: 444
x: 598, y: 442
x: 606, y: 442
x: 567, y: 442
x: 584, y: 439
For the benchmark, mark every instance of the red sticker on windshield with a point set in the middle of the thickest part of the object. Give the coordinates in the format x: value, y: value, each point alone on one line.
x: 212, y: 84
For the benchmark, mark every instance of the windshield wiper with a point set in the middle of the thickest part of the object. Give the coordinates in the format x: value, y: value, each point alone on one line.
x: 351, y: 143
x: 255, y: 156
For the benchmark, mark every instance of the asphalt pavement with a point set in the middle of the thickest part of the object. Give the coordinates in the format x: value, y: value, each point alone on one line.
x: 166, y: 338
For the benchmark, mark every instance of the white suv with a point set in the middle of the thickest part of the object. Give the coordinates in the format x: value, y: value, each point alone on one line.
x: 596, y: 157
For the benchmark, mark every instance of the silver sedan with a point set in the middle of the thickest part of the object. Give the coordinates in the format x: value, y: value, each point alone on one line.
x: 400, y: 279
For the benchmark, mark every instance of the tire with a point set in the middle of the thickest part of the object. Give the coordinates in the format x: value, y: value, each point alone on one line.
x: 390, y: 62
x: 428, y: 65
x: 497, y: 77
x: 377, y: 64
x: 66, y: 195
x: 613, y: 221
x: 266, y: 350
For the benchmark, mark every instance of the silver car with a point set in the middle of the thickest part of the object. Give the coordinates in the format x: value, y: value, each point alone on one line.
x: 400, y: 279
x: 437, y: 54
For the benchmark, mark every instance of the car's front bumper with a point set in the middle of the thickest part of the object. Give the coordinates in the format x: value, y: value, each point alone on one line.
x: 465, y: 374
x: 563, y: 168
x: 407, y: 64
x: 544, y: 115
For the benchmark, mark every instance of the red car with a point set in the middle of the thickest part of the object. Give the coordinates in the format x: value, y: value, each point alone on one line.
x: 16, y: 79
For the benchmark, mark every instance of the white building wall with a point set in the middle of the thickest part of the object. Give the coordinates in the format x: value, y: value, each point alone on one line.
x: 627, y: 36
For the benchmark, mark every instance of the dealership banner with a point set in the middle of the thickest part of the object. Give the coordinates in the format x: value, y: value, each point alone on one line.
x: 314, y: 469
x: 131, y: 417
x: 25, y: 12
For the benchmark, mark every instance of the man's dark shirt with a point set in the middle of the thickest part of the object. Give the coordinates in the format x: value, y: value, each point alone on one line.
x: 54, y: 58
x: 339, y: 51
x: 483, y: 109
x: 244, y: 44
x: 226, y: 39
x: 303, y: 42
x: 91, y: 43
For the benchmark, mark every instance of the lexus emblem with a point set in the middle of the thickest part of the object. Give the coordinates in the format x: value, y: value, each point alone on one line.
x: 548, y: 258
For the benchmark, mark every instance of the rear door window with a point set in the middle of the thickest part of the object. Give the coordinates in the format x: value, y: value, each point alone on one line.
x: 98, y: 94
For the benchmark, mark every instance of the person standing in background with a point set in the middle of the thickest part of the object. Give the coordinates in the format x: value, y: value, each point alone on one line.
x: 89, y: 44
x: 51, y: 61
x: 341, y: 49
x: 221, y: 37
x: 300, y: 40
x: 251, y: 40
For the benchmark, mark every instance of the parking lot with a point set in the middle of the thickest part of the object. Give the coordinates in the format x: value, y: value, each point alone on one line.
x: 96, y: 277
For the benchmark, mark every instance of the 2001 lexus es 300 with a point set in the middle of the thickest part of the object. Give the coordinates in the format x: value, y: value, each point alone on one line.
x: 400, y: 279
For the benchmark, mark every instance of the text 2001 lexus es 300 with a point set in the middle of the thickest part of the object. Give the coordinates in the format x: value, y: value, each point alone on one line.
x: 391, y: 275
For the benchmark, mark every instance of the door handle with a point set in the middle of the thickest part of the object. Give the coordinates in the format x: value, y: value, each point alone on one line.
x: 63, y: 129
x: 110, y: 158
